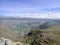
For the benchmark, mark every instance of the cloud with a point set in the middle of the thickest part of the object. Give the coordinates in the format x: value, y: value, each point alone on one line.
x: 42, y: 16
x: 34, y: 7
x: 45, y: 16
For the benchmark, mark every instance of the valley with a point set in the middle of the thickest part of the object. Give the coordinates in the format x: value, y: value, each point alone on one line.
x: 19, y: 29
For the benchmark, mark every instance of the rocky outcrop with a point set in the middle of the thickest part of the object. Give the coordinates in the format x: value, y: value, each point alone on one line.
x: 46, y: 25
x: 47, y: 40
x: 38, y: 38
x: 42, y: 41
x: 30, y: 33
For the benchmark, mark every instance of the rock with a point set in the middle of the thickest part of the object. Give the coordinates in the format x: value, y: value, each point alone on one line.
x: 46, y: 25
x: 40, y: 35
x: 43, y: 27
x: 29, y: 33
x: 19, y: 43
x: 34, y: 42
x: 47, y: 40
x: 6, y: 43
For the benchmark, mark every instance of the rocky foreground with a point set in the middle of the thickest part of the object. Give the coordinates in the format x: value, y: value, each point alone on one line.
x: 39, y: 38
x: 5, y: 41
x: 31, y: 38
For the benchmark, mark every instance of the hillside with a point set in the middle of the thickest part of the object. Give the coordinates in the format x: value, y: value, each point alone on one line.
x: 16, y: 28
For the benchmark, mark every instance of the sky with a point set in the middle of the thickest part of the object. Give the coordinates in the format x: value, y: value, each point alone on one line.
x: 18, y: 7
